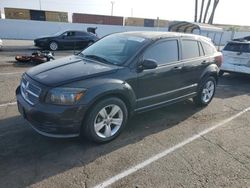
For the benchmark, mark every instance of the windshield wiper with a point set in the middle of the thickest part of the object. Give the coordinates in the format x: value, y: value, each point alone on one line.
x: 98, y: 58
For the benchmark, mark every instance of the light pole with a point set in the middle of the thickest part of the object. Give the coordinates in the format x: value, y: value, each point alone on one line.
x: 40, y: 5
x: 112, y: 7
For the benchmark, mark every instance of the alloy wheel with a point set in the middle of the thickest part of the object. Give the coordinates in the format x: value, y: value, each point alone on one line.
x: 108, y: 121
x: 208, y: 91
x: 53, y: 46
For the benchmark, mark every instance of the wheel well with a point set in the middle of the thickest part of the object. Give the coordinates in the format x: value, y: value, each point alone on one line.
x: 213, y: 74
x: 116, y: 95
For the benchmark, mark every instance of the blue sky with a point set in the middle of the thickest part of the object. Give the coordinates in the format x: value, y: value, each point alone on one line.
x: 228, y: 12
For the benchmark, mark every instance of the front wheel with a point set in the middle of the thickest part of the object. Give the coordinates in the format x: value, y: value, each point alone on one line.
x: 105, y: 120
x: 206, y: 92
x: 53, y: 46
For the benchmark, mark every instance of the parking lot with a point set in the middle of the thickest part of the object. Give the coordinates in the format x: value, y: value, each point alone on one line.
x: 176, y: 146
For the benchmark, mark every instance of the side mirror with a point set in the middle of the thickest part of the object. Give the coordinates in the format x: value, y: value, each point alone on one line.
x: 148, y: 64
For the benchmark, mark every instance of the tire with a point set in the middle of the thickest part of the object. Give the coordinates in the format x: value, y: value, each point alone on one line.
x: 206, y: 92
x: 53, y: 46
x: 221, y: 73
x: 99, y: 124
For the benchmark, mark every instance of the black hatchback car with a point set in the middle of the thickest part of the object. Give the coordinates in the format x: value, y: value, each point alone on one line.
x: 66, y: 40
x: 94, y: 93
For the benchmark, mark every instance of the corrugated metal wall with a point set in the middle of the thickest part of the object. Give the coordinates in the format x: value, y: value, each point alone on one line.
x: 37, y: 15
x: 149, y: 22
x: 97, y: 19
x: 16, y: 13
x: 53, y: 16
x: 131, y: 21
x: 161, y: 23
x: 56, y: 16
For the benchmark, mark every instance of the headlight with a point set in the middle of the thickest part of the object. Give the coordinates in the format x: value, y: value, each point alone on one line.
x: 64, y: 96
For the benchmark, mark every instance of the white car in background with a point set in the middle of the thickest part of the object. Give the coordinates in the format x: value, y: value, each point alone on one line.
x: 236, y: 57
x: 1, y: 44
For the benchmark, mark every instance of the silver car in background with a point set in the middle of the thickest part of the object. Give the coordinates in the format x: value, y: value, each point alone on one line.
x: 236, y: 57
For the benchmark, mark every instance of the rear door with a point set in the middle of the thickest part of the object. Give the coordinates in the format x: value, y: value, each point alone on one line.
x: 82, y: 38
x: 194, y: 62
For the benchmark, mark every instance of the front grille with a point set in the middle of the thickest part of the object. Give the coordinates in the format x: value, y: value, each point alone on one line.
x: 30, y: 92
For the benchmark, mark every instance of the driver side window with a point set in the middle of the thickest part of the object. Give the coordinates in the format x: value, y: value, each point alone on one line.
x: 163, y: 52
x: 69, y: 34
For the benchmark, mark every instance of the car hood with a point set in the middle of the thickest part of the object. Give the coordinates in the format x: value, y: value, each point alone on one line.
x: 68, y: 69
x: 44, y: 37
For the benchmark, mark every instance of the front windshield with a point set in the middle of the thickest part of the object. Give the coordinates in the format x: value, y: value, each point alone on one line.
x: 59, y: 33
x: 114, y: 49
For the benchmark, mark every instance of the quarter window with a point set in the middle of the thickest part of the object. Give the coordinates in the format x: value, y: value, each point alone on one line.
x: 163, y: 52
x: 190, y: 49
x: 201, y: 50
x: 209, y: 49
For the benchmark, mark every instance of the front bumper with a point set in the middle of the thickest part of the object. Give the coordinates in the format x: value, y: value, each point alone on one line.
x: 41, y: 44
x: 52, y: 120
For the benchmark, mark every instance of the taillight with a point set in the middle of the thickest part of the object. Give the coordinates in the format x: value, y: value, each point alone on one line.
x: 219, y: 60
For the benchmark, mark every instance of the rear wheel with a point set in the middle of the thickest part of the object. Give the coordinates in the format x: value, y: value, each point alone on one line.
x: 53, y: 46
x: 206, y: 92
x: 105, y: 120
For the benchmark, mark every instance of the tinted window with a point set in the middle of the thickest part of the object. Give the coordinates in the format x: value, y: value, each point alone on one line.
x: 245, y: 48
x: 201, y: 49
x: 81, y: 34
x: 190, y: 49
x: 163, y: 52
x: 208, y: 48
x: 115, y: 48
x: 234, y: 47
x: 69, y: 34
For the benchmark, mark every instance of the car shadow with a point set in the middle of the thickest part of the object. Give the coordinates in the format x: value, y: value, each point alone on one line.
x: 27, y: 158
x: 232, y: 85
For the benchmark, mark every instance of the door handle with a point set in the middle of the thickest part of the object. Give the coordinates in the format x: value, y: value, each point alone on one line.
x: 204, y: 62
x: 177, y: 68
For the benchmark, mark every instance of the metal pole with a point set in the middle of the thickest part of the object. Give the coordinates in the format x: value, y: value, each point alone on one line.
x: 112, y: 7
x: 221, y: 35
x: 40, y: 5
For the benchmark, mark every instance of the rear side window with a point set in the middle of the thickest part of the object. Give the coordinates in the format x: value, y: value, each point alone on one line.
x: 208, y: 48
x: 234, y: 47
x: 190, y: 49
x: 81, y: 34
x: 245, y: 48
x: 163, y: 52
x: 237, y: 47
x: 70, y: 33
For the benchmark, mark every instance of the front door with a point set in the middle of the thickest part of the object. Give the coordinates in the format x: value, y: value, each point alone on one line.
x: 69, y: 40
x: 163, y: 84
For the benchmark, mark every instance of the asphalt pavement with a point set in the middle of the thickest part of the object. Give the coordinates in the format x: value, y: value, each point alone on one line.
x: 176, y: 146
